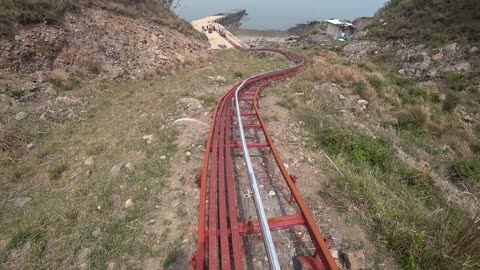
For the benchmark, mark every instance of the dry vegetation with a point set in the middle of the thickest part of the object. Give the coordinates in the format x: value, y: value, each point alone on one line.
x: 52, y: 11
x: 432, y: 22
x: 398, y: 156
x: 57, y: 212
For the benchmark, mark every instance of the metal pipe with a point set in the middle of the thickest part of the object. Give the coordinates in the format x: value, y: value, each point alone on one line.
x: 262, y: 218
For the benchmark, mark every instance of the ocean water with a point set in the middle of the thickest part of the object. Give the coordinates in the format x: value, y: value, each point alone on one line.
x: 280, y: 14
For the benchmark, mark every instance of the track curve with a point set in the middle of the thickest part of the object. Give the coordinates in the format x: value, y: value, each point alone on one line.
x: 222, y: 242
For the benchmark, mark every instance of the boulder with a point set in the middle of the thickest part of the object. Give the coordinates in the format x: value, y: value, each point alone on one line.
x: 450, y: 50
x: 353, y: 260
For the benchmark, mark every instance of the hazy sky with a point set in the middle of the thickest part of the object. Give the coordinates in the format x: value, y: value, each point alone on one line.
x: 281, y: 14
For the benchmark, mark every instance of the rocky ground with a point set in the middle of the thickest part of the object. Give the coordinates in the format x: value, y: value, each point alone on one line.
x: 92, y: 45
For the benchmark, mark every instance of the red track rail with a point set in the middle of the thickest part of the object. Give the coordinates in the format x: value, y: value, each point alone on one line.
x: 219, y: 231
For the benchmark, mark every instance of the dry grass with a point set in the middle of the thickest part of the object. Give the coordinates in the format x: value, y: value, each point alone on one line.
x: 69, y: 208
x: 399, y: 200
x: 337, y: 73
x: 52, y: 11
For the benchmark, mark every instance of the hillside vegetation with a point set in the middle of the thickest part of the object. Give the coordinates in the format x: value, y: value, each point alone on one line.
x: 52, y: 11
x: 431, y: 22
x: 396, y: 153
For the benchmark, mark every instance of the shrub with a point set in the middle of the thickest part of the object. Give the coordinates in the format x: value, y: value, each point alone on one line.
x: 375, y: 81
x: 14, y: 92
x: 451, y: 101
x: 95, y: 69
x: 59, y: 85
x: 466, y: 170
x: 360, y: 87
x: 238, y: 74
x: 365, y: 67
x: 457, y: 81
x: 415, y: 117
x: 401, y: 81
x: 56, y: 169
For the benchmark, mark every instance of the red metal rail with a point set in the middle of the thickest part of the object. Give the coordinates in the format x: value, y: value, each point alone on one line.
x: 219, y: 231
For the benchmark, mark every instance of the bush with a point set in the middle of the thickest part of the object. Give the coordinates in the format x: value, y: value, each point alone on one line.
x: 59, y: 85
x: 467, y: 171
x: 457, y: 81
x: 360, y: 87
x: 415, y: 117
x: 238, y: 74
x: 95, y: 69
x: 451, y: 101
x: 375, y: 81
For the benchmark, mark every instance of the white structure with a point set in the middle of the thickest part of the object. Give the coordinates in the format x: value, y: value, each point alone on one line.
x: 337, y: 29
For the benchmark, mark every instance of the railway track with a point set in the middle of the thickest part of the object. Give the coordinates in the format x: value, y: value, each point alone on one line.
x: 242, y: 171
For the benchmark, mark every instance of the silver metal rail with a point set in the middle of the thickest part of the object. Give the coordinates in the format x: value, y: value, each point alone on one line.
x: 262, y: 217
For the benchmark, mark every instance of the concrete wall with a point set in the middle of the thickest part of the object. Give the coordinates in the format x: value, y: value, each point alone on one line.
x: 334, y: 31
x: 231, y: 17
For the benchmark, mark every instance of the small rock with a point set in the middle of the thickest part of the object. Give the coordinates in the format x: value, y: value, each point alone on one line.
x: 82, y: 256
x: 30, y: 146
x: 271, y: 194
x: 111, y: 266
x: 97, y: 232
x: 163, y: 157
x: 43, y: 117
x: 151, y: 221
x: 20, y: 116
x: 362, y: 102
x: 148, y: 138
x: 257, y: 265
x: 335, y: 254
x: 20, y: 202
x: 353, y: 260
x: 473, y: 50
x: 130, y: 167
x: 336, y: 238
x: 341, y: 97
x: 115, y: 171
x: 220, y: 79
x: 128, y: 203
x: 450, y: 50
x: 89, y: 161
x: 467, y: 118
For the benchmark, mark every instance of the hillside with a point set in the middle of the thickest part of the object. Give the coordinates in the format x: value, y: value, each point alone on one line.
x: 433, y: 22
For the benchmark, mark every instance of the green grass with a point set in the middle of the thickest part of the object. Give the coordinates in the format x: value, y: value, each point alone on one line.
x: 375, y: 81
x: 405, y: 209
x: 431, y: 22
x: 53, y: 11
x: 466, y: 170
x: 401, y: 204
x: 14, y: 92
x: 451, y: 101
x: 238, y: 74
x: 59, y: 85
x: 457, y: 81
x: 70, y: 200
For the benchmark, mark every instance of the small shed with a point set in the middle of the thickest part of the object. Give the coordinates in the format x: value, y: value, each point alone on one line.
x: 337, y: 28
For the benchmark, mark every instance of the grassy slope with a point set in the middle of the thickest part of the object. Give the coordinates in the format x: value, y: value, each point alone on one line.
x: 408, y: 213
x: 433, y: 22
x: 28, y: 11
x: 67, y: 204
